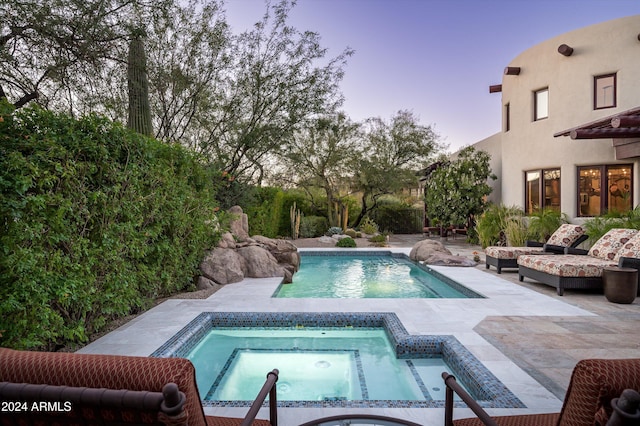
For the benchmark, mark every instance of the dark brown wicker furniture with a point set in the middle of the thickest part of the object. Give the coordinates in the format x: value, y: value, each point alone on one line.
x: 567, y: 235
x: 512, y: 261
x: 594, y: 384
x: 104, y: 389
x: 573, y: 283
x: 620, y: 284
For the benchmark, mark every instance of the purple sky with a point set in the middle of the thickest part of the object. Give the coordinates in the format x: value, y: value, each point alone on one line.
x: 436, y: 58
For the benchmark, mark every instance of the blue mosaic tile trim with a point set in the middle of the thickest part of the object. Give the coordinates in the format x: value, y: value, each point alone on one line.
x: 418, y: 379
x: 343, y: 252
x: 478, y: 380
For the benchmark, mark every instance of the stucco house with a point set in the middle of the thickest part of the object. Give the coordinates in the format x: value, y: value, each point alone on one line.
x: 570, y: 137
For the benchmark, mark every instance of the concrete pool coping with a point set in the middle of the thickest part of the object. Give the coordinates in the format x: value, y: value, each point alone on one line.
x: 457, y: 317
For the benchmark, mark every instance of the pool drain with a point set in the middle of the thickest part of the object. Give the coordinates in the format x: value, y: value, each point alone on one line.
x: 323, y: 364
x: 283, y: 387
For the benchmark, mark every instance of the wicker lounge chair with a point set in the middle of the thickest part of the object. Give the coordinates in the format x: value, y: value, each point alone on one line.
x: 582, y: 269
x: 567, y: 235
x: 79, y: 389
x: 591, y: 400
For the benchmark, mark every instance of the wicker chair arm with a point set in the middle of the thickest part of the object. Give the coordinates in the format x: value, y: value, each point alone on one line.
x: 552, y: 248
x: 580, y: 240
x: 531, y: 243
x: 629, y: 262
x: 573, y: 250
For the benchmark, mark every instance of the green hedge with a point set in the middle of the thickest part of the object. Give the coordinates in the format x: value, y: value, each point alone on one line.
x: 398, y: 218
x: 95, y: 222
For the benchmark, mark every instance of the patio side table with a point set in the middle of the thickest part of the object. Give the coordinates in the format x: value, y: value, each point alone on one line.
x: 620, y: 284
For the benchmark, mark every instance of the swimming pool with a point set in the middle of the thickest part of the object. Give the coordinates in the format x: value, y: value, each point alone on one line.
x: 416, y: 355
x: 370, y: 274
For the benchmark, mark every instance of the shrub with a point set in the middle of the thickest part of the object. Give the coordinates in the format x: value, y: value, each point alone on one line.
x: 265, y: 215
x: 334, y: 230
x: 95, y: 222
x: 598, y: 226
x: 398, y: 217
x: 378, y: 239
x: 516, y: 231
x: 492, y: 223
x: 351, y: 232
x: 346, y: 242
x: 313, y: 226
x: 368, y: 226
x: 544, y: 223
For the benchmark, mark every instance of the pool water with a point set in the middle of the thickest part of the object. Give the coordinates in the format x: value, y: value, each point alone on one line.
x: 361, y: 354
x: 315, y: 365
x: 367, y: 276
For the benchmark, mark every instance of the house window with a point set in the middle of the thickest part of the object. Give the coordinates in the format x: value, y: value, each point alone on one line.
x: 604, y: 91
x: 542, y: 190
x: 541, y: 104
x: 507, y: 117
x: 604, y: 188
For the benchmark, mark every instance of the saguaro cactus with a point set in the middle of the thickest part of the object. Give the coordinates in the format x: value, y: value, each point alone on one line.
x: 138, y: 85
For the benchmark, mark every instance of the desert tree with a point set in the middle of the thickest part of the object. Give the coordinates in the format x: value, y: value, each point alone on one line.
x: 321, y: 155
x: 394, y: 151
x: 50, y: 50
x: 279, y: 77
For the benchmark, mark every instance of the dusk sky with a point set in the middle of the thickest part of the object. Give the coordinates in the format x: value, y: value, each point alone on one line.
x: 436, y: 58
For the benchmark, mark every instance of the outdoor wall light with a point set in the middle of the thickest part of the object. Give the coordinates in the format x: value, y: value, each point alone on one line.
x: 496, y: 88
x: 512, y: 71
x: 565, y: 50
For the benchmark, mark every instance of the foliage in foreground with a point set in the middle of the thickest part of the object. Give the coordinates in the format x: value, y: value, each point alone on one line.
x: 492, y: 223
x: 95, y: 221
x: 456, y: 191
x: 598, y: 226
x: 346, y: 242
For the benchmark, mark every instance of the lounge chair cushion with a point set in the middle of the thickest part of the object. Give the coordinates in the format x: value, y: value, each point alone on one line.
x: 630, y: 249
x: 511, y: 252
x: 610, y: 243
x: 568, y: 265
x: 566, y: 235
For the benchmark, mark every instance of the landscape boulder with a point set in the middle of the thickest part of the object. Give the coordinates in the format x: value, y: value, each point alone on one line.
x: 239, y: 224
x: 223, y: 266
x: 260, y: 263
x: 434, y: 252
x: 441, y: 259
x: 424, y: 249
x: 238, y: 255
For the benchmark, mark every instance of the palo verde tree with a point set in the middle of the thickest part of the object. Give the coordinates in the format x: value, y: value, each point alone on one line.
x: 321, y: 156
x: 393, y: 152
x: 456, y: 191
x: 56, y: 51
x: 278, y: 79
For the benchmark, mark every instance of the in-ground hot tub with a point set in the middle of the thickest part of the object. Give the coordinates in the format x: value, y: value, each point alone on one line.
x: 417, y: 359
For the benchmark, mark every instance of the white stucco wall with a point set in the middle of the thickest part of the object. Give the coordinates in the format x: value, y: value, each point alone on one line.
x: 493, y: 146
x: 609, y: 47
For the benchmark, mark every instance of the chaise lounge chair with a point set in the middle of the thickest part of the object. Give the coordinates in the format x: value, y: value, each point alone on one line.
x: 567, y: 235
x: 591, y: 400
x: 581, y: 269
x: 76, y: 389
